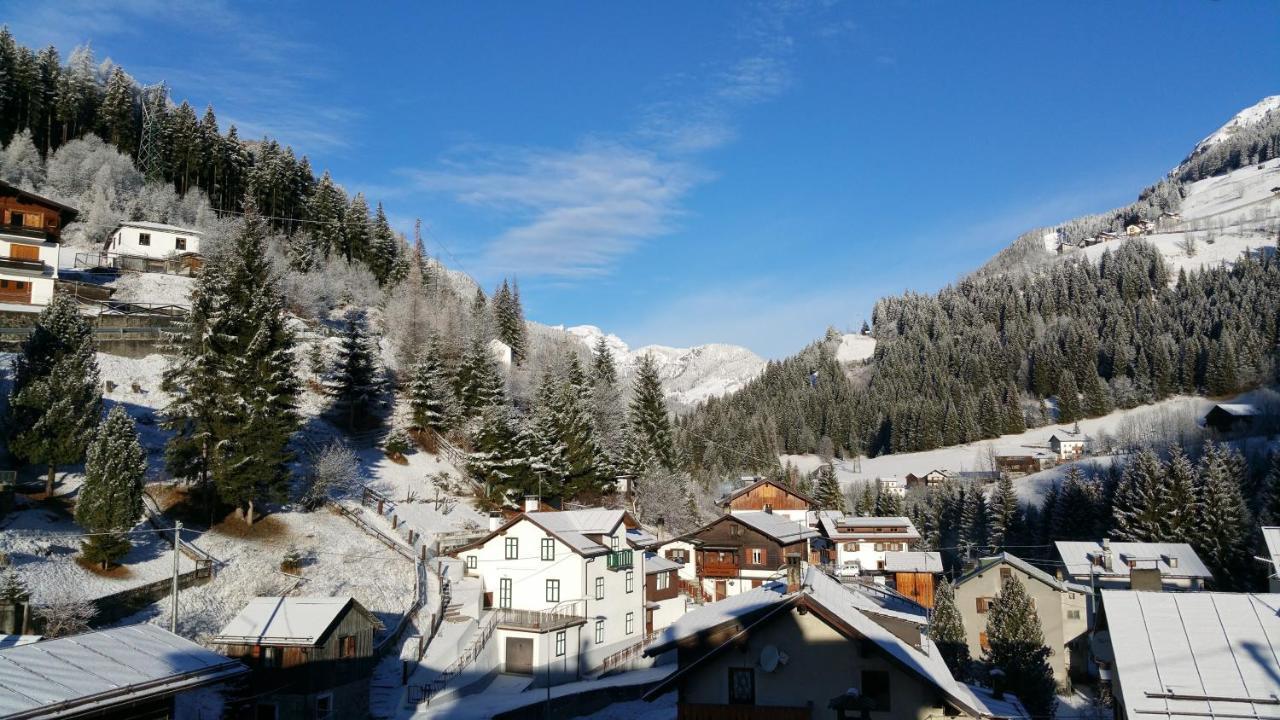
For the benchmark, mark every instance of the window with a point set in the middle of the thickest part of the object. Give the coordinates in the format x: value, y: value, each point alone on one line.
x: 553, y: 591
x: 599, y: 588
x: 1073, y: 614
x: 324, y: 707
x: 851, y: 547
x: 513, y: 549
x: 757, y: 556
x: 180, y: 244
x: 144, y: 239
x: 879, y: 547
x: 347, y: 646
x: 982, y: 641
x: 631, y: 580
x: 548, y: 549
x: 984, y: 604
x: 875, y: 689
x: 679, y: 556
x: 1173, y: 562
x: 735, y: 529
x: 768, y: 507
x: 504, y: 593
x: 1005, y: 574
x: 664, y: 579
x: 271, y: 657
x: 15, y: 218
x: 560, y: 643
x: 613, y: 543
x: 599, y: 631
x: 631, y: 622
x: 472, y: 562
x: 742, y: 686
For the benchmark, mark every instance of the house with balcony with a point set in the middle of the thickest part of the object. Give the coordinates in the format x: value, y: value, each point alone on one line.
x: 735, y: 553
x: 860, y: 544
x: 567, y: 589
x: 768, y: 495
x: 1067, y: 446
x: 30, y: 237
x: 1133, y: 565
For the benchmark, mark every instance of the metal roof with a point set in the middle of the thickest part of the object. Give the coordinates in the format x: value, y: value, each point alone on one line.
x: 913, y: 561
x: 1195, y: 655
x: 284, y: 621
x: 987, y: 563
x: 831, y: 527
x: 779, y: 527
x: 1076, y: 557
x: 162, y: 227
x: 1238, y: 409
x: 1271, y: 535
x: 74, y: 675
x: 655, y: 563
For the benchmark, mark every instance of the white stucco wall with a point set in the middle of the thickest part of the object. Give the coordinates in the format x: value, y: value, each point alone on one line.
x: 125, y: 240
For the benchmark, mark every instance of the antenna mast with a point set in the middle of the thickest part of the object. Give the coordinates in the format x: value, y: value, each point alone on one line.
x: 149, y: 159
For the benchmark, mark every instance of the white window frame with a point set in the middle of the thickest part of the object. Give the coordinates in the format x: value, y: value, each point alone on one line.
x: 511, y: 548
x: 472, y: 562
x: 600, y: 588
x: 631, y: 623
x: 553, y: 590
x: 757, y: 557
x: 664, y: 579
x: 144, y: 239
x: 561, y: 643
x: 631, y: 581
x: 504, y: 593
x: 599, y: 632
x: 548, y: 549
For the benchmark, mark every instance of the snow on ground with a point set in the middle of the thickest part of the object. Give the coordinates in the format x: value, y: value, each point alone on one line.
x: 339, y: 560
x: 1251, y: 115
x: 1160, y: 419
x: 507, y: 692
x: 43, y: 544
x: 663, y: 708
x: 413, y: 487
x: 153, y: 288
x: 855, y: 346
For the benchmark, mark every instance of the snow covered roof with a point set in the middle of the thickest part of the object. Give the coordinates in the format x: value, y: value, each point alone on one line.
x: 640, y: 537
x: 1195, y: 655
x: 757, y: 482
x: 778, y: 527
x: 286, y: 621
x: 8, y: 641
x: 1271, y: 535
x: 655, y: 563
x: 573, y: 526
x: 1238, y: 409
x: 891, y: 481
x: 1174, y: 560
x: 987, y: 563
x: 76, y: 675
x: 837, y: 605
x: 850, y: 527
x: 913, y: 561
x: 159, y: 227
x: 1065, y: 438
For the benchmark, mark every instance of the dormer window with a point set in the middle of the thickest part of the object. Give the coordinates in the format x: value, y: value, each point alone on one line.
x: 1171, y: 561
x: 613, y: 543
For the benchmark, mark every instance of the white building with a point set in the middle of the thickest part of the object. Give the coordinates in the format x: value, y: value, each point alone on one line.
x: 568, y: 589
x: 863, y: 542
x: 153, y: 240
x: 893, y: 485
x: 1066, y: 447
x: 1193, y: 655
x: 1132, y: 565
x: 30, y: 235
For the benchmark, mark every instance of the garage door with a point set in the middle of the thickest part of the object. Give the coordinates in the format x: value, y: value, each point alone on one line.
x: 520, y: 655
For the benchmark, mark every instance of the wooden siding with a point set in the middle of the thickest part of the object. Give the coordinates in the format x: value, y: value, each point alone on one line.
x: 766, y: 494
x: 917, y: 586
x: 739, y: 543
x: 651, y: 591
x: 36, y: 217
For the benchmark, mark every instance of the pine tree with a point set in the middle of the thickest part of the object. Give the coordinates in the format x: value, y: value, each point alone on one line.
x: 233, y: 377
x: 1068, y: 398
x: 865, y: 504
x: 603, y: 368
x: 1004, y: 514
x: 946, y: 629
x: 56, y: 398
x: 508, y: 318
x: 429, y: 395
x: 1015, y: 645
x: 1180, y: 498
x: 1097, y: 400
x: 1224, y: 527
x: 974, y: 519
x: 383, y: 254
x: 650, y: 443
x: 1139, y: 506
x: 356, y: 385
x: 827, y: 489
x: 356, y: 231
x: 502, y: 455
x: 110, y: 501
x: 478, y: 381
x: 888, y: 504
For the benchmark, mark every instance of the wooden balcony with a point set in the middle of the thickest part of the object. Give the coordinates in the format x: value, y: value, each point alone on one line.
x: 25, y: 232
x: 23, y: 266
x: 620, y: 560
x: 719, y: 570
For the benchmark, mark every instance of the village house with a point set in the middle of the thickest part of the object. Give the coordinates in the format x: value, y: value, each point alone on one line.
x: 892, y: 485
x: 663, y: 602
x: 766, y: 495
x: 1191, y: 656
x: 568, y: 589
x: 123, y: 673
x: 860, y: 544
x: 311, y: 656
x: 1067, y: 447
x: 1016, y: 465
x: 1065, y: 610
x: 152, y: 240
x: 1133, y: 566
x: 1271, y: 536
x: 809, y: 647
x: 735, y: 553
x: 914, y: 574
x: 30, y: 237
x: 1228, y: 418
x: 933, y: 478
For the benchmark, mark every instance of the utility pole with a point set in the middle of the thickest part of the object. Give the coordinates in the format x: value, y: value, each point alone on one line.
x: 177, y: 545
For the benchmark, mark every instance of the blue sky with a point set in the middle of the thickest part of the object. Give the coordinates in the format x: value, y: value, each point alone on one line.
x: 681, y: 173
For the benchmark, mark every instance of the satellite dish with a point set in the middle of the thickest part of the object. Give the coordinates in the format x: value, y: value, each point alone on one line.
x: 769, y: 657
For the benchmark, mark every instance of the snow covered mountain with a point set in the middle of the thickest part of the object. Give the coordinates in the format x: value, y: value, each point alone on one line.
x: 689, y: 375
x: 1248, y: 117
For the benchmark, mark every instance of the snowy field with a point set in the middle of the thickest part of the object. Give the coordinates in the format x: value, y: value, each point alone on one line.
x: 153, y: 288
x: 339, y: 560
x: 413, y: 488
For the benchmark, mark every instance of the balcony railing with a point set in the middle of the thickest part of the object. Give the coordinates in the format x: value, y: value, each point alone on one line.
x: 619, y: 560
x: 560, y: 616
x: 23, y: 265
x: 25, y: 232
x: 718, y: 570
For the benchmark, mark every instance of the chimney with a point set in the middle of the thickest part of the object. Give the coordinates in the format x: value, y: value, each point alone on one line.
x: 495, y: 521
x: 1107, y: 557
x: 532, y: 503
x: 795, y: 576
x: 997, y: 683
x: 661, y: 526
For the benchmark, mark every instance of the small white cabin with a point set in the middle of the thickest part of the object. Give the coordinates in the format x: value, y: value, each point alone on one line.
x: 153, y: 240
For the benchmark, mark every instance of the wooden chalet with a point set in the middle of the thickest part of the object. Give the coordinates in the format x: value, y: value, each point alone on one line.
x: 767, y: 495
x: 31, y: 215
x: 30, y: 232
x: 1227, y: 418
x: 737, y: 552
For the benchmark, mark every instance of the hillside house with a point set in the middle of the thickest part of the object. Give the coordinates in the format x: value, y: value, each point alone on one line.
x: 1016, y: 465
x: 1188, y: 656
x: 735, y: 553
x: 1067, y: 447
x: 914, y: 574
x: 123, y: 673
x: 1271, y: 536
x: 766, y: 495
x: 892, y: 485
x: 311, y: 656
x: 568, y: 589
x: 863, y: 542
x: 1133, y: 566
x: 1065, y: 610
x: 811, y: 648
x: 1228, y: 418
x: 30, y: 236
x: 152, y: 240
x: 663, y: 602
x: 933, y: 478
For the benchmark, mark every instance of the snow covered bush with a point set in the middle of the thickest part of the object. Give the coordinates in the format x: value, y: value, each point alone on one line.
x: 20, y: 163
x: 334, y: 284
x: 396, y: 444
x: 65, y: 615
x: 336, y: 472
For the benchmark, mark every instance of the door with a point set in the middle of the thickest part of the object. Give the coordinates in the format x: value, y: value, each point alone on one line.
x: 19, y: 251
x: 722, y: 590
x: 520, y: 655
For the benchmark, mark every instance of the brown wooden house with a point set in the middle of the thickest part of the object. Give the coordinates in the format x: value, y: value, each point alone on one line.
x: 25, y: 213
x: 735, y: 553
x: 765, y: 495
x: 30, y: 230
x: 311, y: 656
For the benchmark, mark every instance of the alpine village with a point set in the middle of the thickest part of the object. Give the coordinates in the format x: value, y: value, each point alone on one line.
x: 270, y: 452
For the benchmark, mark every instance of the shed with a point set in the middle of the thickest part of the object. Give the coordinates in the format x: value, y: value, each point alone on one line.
x: 1231, y: 417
